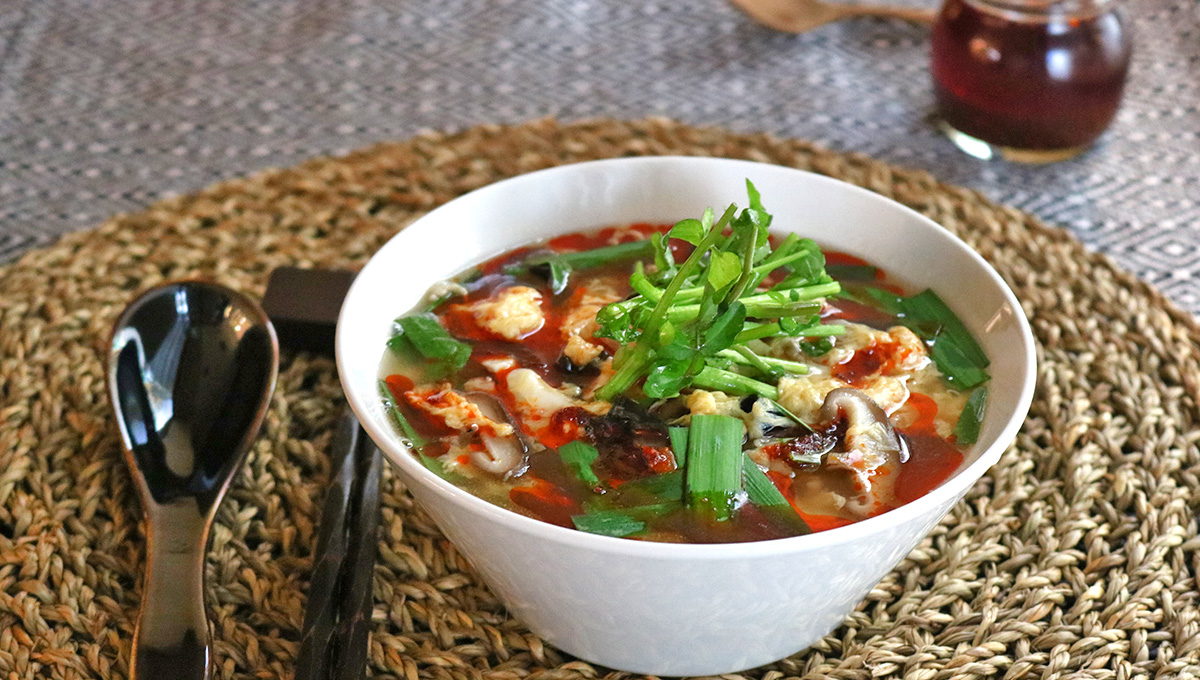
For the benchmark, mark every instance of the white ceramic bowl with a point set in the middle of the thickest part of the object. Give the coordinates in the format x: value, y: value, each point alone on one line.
x: 669, y: 609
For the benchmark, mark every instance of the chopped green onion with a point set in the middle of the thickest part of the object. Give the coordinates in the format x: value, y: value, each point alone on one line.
x: 389, y: 404
x: 579, y: 456
x: 667, y: 486
x: 928, y: 306
x: 596, y: 257
x: 759, y: 488
x: 953, y: 360
x: 424, y: 335
x: 852, y: 272
x: 620, y: 521
x: 608, y: 523
x: 886, y: 300
x: 714, y: 471
x: 560, y: 276
x: 955, y: 352
x: 679, y: 443
x: 415, y: 440
x: 430, y: 305
x: 433, y: 465
x: 585, y: 259
x: 560, y: 265
x: 763, y: 493
x: 966, y: 431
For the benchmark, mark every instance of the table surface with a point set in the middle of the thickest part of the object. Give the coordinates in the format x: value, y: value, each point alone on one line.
x: 106, y: 107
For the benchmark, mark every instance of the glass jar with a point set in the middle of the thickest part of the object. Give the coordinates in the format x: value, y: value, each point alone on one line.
x: 1032, y: 81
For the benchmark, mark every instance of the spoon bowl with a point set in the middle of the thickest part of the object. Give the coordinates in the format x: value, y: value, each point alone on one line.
x: 191, y: 370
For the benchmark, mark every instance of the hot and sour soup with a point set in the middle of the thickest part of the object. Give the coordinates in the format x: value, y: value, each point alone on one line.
x: 766, y: 400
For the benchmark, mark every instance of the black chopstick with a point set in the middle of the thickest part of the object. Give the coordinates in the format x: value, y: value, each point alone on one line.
x: 354, y: 620
x: 333, y: 644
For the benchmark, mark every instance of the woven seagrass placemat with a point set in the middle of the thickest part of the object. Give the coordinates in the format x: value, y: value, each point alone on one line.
x: 1076, y: 556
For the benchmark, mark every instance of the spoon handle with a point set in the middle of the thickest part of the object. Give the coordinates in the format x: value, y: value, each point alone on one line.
x: 918, y: 15
x: 171, y: 640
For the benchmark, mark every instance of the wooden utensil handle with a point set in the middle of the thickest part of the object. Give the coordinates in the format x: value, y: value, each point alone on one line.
x: 918, y: 15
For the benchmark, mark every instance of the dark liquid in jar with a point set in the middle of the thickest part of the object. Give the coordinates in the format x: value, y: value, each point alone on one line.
x: 1041, y: 82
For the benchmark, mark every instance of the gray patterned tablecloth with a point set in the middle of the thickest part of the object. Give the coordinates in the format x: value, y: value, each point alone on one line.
x: 108, y: 105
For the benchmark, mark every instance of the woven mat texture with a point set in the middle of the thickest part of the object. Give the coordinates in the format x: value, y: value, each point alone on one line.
x: 1075, y: 556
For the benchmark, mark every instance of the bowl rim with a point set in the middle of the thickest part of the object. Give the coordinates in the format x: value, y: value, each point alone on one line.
x: 401, y: 456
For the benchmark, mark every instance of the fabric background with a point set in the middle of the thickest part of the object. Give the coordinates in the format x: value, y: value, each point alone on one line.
x: 107, y: 106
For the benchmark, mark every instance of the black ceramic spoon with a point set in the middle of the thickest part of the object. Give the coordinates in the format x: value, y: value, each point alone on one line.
x: 191, y: 370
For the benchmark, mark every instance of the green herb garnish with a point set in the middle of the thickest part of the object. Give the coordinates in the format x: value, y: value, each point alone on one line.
x: 579, y: 456
x: 712, y: 304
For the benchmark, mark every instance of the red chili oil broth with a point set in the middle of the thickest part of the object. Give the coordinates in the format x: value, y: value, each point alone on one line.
x: 549, y: 491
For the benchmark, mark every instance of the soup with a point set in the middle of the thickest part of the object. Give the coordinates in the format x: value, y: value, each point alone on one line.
x: 701, y: 382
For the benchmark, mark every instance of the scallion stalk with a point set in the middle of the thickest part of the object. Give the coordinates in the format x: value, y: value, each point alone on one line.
x: 759, y: 488
x: 667, y: 486
x: 585, y: 259
x: 966, y: 430
x: 608, y: 523
x: 763, y: 493
x: 415, y: 440
x: 393, y: 409
x: 620, y: 521
x: 714, y: 471
x: 679, y: 444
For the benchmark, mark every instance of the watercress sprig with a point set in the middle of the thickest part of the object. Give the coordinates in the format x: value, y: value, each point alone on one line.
x: 683, y: 317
